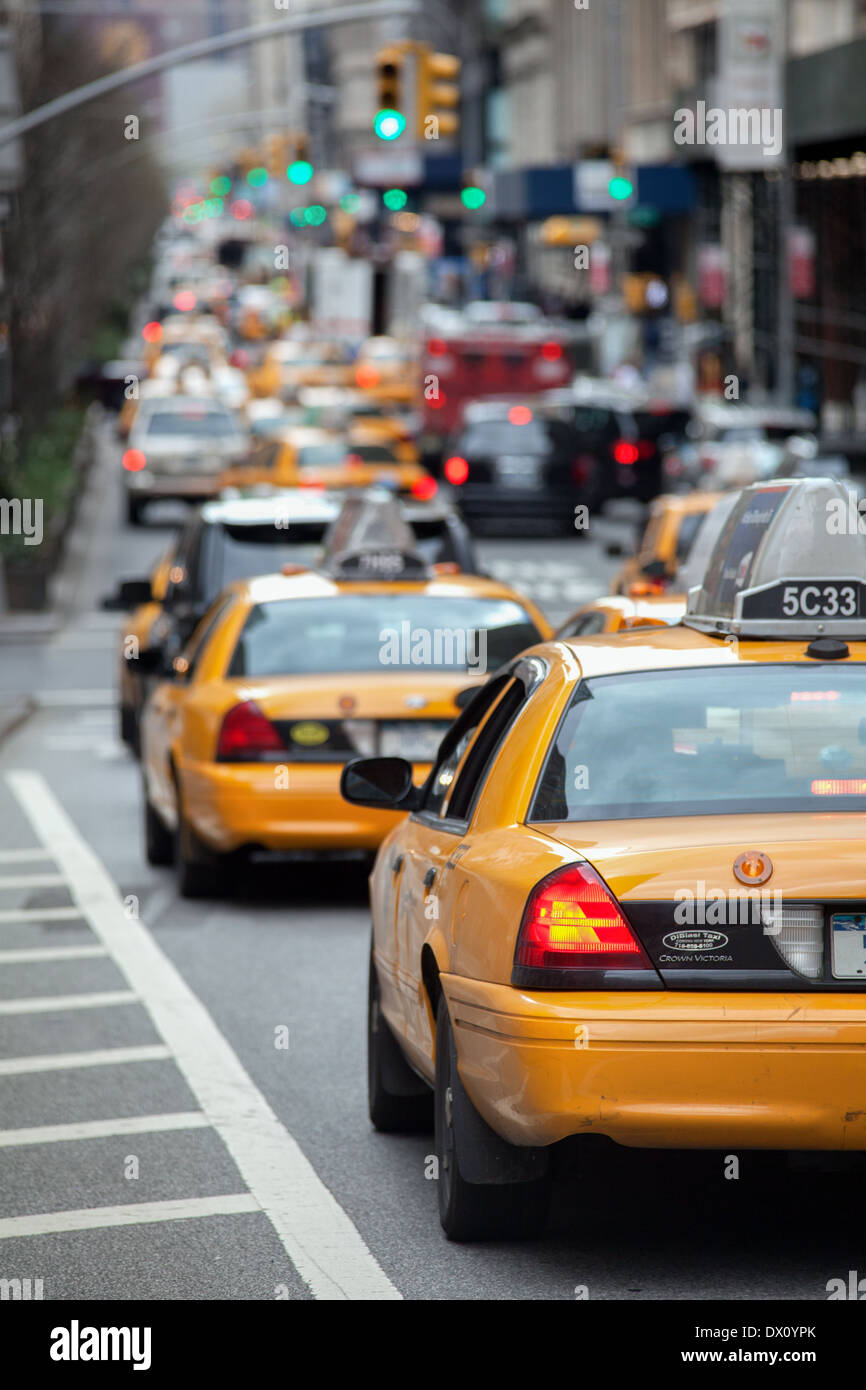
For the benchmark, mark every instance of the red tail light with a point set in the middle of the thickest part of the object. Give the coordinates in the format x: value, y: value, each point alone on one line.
x: 247, y: 736
x: 424, y: 489
x: 437, y: 347
x: 625, y: 452
x: 551, y: 352
x: 456, y: 470
x: 573, y: 926
x: 133, y: 460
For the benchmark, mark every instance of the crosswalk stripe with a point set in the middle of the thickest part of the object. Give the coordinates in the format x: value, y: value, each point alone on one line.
x: 71, y: 1061
x: 103, y: 1129
x: 43, y: 1223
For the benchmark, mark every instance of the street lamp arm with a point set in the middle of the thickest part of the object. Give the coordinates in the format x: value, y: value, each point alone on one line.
x: 201, y: 48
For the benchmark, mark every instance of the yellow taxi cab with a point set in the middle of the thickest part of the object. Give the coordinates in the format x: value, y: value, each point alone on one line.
x: 666, y: 541
x: 630, y: 899
x: 616, y: 613
x: 307, y: 456
x: 292, y: 363
x: 143, y: 600
x: 288, y: 676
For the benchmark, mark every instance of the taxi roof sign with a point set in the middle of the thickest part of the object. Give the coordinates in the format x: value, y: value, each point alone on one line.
x: 371, y: 539
x: 790, y: 562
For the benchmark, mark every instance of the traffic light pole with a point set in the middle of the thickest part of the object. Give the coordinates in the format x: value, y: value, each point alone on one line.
x: 201, y: 48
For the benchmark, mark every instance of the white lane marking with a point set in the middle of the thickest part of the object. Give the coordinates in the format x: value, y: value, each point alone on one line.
x: 321, y: 1241
x: 43, y: 1223
x: 39, y: 914
x: 38, y: 954
x: 68, y: 1061
x: 21, y: 856
x: 103, y: 1129
x: 59, y: 698
x: 30, y: 880
x: 59, y: 1003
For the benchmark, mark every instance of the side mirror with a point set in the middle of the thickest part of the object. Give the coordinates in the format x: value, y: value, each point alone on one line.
x: 129, y: 594
x: 149, y: 662
x: 615, y: 550
x: 383, y: 783
x: 463, y: 697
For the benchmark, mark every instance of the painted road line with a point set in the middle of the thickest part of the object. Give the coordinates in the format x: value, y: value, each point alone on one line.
x: 58, y: 1003
x: 23, y: 856
x: 60, y: 699
x: 320, y: 1239
x: 102, y: 1129
x: 30, y: 880
x: 43, y: 1223
x: 39, y: 954
x: 69, y: 1061
x: 39, y: 914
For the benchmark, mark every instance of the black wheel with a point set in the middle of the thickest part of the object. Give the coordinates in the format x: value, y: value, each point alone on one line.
x: 507, y: 1197
x: 399, y: 1101
x: 158, y: 839
x: 129, y: 731
x: 201, y: 873
x: 134, y: 510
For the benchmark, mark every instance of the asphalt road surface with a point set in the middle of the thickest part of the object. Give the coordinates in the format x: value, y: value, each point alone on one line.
x: 182, y: 1085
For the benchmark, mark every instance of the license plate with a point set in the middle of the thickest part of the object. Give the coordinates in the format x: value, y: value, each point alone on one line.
x: 415, y: 740
x: 518, y: 472
x: 848, y: 938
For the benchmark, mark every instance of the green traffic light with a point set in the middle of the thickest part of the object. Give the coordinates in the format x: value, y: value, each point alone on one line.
x: 473, y: 197
x: 389, y: 124
x: 257, y: 177
x: 221, y: 185
x: 300, y: 172
x: 620, y: 188
x: 395, y: 199
x: 315, y: 215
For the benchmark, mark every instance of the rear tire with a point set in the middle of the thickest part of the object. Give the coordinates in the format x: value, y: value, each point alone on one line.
x: 129, y: 733
x: 481, y: 1210
x: 201, y: 872
x: 158, y: 839
x: 399, y: 1101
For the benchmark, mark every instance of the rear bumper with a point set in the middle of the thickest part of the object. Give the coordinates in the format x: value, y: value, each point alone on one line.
x: 492, y: 501
x: 288, y: 806
x: 185, y: 487
x: 664, y: 1069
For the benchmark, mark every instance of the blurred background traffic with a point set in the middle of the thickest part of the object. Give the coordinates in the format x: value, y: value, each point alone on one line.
x: 498, y: 256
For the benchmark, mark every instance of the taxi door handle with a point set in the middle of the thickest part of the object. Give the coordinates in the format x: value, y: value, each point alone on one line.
x: 429, y: 877
x: 397, y: 864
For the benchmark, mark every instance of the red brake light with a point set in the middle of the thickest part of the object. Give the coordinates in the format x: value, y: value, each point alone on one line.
x: 366, y: 374
x: 839, y: 786
x: 424, y: 488
x: 519, y: 415
x: 625, y: 452
x: 456, y: 470
x: 437, y: 347
x: 551, y: 351
x: 133, y: 460
x: 572, y: 922
x: 247, y: 736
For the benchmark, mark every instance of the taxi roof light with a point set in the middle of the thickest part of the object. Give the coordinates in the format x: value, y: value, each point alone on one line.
x: 789, y: 563
x: 573, y: 923
x: 372, y: 540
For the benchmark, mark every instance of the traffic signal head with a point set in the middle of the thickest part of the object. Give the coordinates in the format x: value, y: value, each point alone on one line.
x: 389, y: 73
x: 473, y: 197
x: 299, y: 171
x: 620, y: 188
x: 438, y: 88
x: 389, y: 124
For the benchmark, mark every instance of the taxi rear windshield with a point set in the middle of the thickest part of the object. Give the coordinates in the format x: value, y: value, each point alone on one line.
x: 382, y: 632
x: 709, y: 742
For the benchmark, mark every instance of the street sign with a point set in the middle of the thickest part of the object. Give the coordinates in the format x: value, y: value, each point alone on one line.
x: 389, y: 167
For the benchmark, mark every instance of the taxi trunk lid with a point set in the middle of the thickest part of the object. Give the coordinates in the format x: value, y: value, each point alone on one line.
x: 804, y: 926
